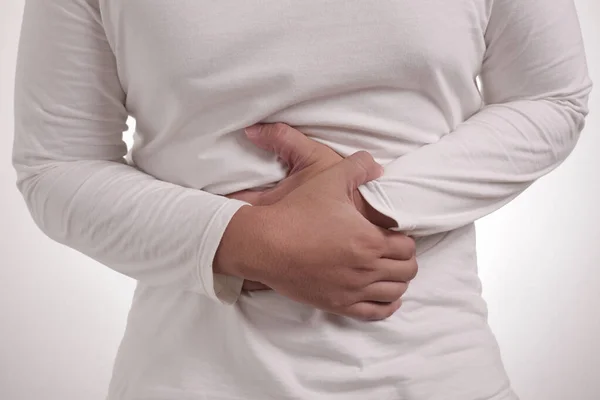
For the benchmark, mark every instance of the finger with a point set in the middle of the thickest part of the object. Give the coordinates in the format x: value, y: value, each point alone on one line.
x: 292, y: 146
x: 370, y: 311
x: 398, y: 245
x: 384, y: 292
x: 387, y: 269
x: 355, y: 170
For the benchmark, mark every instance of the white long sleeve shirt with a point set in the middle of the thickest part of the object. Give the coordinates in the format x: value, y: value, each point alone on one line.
x: 395, y: 78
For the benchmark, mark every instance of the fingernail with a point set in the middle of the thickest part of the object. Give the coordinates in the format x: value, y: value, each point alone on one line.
x: 253, y: 131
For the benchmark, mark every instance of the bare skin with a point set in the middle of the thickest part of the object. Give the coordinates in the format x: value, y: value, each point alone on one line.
x: 305, y: 159
x: 348, y: 266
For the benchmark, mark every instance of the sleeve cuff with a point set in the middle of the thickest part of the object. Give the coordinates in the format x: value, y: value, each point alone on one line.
x: 223, y: 289
x: 374, y: 194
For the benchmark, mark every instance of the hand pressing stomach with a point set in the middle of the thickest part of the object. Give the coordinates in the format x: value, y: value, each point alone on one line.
x: 364, y: 277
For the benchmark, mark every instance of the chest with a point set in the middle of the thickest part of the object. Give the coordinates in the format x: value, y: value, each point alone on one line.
x: 313, y: 42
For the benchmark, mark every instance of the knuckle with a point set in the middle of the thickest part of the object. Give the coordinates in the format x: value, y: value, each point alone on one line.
x: 387, y: 274
x: 394, y: 307
x: 366, y: 161
x: 354, y: 282
x: 355, y: 248
x: 278, y: 134
x: 377, y: 244
x: 411, y: 246
x: 364, y: 157
x: 278, y: 129
x: 368, y: 244
x: 401, y: 289
x: 412, y: 268
x: 405, y: 244
x: 337, y: 301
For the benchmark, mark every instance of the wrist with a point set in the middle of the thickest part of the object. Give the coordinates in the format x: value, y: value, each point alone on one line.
x: 240, y: 245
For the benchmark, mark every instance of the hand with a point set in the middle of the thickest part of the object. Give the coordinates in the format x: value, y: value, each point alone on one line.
x: 314, y: 247
x: 305, y: 159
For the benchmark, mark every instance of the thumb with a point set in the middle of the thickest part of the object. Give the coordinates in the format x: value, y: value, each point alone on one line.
x: 357, y: 169
x: 291, y: 145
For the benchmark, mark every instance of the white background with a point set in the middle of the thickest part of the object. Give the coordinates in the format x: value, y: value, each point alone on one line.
x: 62, y: 315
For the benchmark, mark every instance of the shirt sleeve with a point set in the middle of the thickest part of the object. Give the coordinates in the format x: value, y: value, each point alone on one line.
x: 535, y: 87
x: 69, y: 156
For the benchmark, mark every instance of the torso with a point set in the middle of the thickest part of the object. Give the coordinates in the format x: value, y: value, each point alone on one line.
x: 385, y: 76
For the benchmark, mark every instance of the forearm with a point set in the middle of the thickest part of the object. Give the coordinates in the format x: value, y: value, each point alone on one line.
x: 481, y: 166
x: 535, y: 86
x: 152, y: 231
